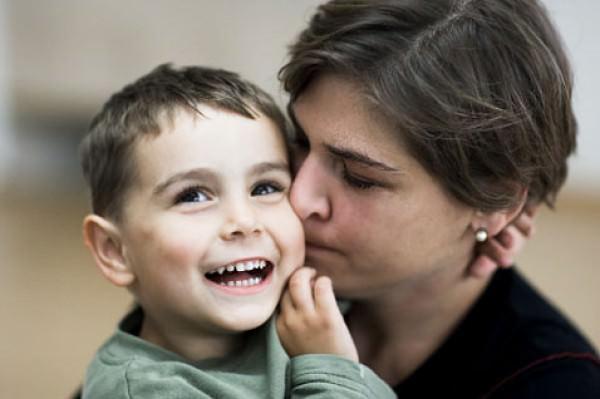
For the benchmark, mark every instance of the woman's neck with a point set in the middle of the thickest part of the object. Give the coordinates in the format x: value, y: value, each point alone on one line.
x: 397, y: 332
x: 191, y: 346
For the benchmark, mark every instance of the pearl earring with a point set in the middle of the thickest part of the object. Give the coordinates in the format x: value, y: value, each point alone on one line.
x: 481, y: 235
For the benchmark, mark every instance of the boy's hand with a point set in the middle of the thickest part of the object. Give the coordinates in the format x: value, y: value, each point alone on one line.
x: 310, y: 320
x: 500, y: 251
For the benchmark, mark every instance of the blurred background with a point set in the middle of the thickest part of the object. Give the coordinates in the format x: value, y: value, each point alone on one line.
x: 60, y: 59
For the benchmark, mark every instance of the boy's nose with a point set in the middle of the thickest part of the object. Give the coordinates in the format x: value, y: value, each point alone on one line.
x: 240, y: 221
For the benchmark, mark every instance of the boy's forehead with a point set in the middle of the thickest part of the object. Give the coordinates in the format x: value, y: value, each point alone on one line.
x: 173, y: 118
x: 207, y: 119
x: 168, y: 118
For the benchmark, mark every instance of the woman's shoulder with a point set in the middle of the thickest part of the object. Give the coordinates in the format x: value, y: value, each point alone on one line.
x: 511, y: 340
x: 538, y: 347
x: 532, y: 324
x: 562, y: 375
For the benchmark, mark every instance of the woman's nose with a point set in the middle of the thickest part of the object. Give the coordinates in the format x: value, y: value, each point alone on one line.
x: 240, y: 222
x: 309, y: 191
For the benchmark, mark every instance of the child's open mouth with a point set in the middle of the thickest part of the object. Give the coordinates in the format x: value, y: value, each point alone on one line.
x: 241, y: 274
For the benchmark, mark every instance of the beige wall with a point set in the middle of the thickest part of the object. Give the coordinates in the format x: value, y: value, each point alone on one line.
x: 69, y: 53
x: 63, y: 58
x: 66, y: 56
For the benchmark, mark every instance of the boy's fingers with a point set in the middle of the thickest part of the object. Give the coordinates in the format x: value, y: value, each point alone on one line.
x: 300, y: 289
x: 501, y: 249
x: 494, y: 250
x: 524, y: 223
x: 506, y: 238
x: 482, y: 267
x: 324, y: 296
x: 285, y: 303
x: 531, y: 210
x: 512, y: 239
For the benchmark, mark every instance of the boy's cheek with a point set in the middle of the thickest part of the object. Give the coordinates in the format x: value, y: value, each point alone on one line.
x: 295, y: 241
x: 285, y: 229
x: 173, y: 246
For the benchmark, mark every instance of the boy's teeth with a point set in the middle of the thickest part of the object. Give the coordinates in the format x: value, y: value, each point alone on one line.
x: 243, y: 283
x: 241, y: 266
x: 247, y: 266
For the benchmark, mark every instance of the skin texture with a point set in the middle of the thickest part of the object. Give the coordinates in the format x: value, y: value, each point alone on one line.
x: 392, y: 214
x: 199, y: 203
x: 384, y: 230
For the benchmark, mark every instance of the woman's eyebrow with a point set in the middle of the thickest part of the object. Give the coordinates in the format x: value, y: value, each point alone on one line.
x: 355, y: 156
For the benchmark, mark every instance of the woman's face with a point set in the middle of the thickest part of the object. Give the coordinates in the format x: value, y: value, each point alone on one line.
x: 374, y: 219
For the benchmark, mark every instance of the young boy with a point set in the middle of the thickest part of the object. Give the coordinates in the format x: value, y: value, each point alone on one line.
x: 189, y: 177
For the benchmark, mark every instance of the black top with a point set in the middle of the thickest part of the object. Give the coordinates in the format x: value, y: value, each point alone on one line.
x: 511, y: 344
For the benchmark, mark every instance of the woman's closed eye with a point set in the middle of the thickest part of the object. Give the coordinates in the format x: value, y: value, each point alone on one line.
x: 191, y: 195
x: 357, y: 182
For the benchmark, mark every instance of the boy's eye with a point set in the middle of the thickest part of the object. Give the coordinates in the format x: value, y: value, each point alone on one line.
x: 192, y: 194
x: 266, y: 189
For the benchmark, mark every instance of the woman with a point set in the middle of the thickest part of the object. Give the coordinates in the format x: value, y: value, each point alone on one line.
x: 428, y: 127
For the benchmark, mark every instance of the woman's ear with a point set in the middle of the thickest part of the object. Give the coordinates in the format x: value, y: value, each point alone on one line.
x: 494, y: 222
x: 103, y: 238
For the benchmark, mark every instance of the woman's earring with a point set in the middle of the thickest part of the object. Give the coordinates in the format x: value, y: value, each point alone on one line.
x: 481, y: 234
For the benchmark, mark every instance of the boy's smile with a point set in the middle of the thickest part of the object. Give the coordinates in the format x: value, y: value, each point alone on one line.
x: 208, y: 231
x: 242, y: 273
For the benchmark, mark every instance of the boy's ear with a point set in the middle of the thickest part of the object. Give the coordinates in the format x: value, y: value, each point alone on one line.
x: 494, y: 222
x: 103, y: 238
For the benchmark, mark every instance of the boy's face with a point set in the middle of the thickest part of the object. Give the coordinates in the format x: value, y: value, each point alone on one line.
x: 210, y: 200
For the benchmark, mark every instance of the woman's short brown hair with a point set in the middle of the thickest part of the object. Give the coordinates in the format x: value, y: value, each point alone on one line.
x: 138, y: 110
x: 480, y: 90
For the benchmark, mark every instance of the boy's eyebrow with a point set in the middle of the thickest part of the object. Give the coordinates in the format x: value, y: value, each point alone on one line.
x: 197, y: 173
x: 355, y: 156
x: 265, y: 167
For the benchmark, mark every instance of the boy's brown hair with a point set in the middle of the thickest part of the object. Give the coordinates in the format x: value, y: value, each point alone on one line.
x: 139, y: 110
x: 479, y: 90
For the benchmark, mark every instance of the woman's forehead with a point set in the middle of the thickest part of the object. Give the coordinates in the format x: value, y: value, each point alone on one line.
x: 336, y: 110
